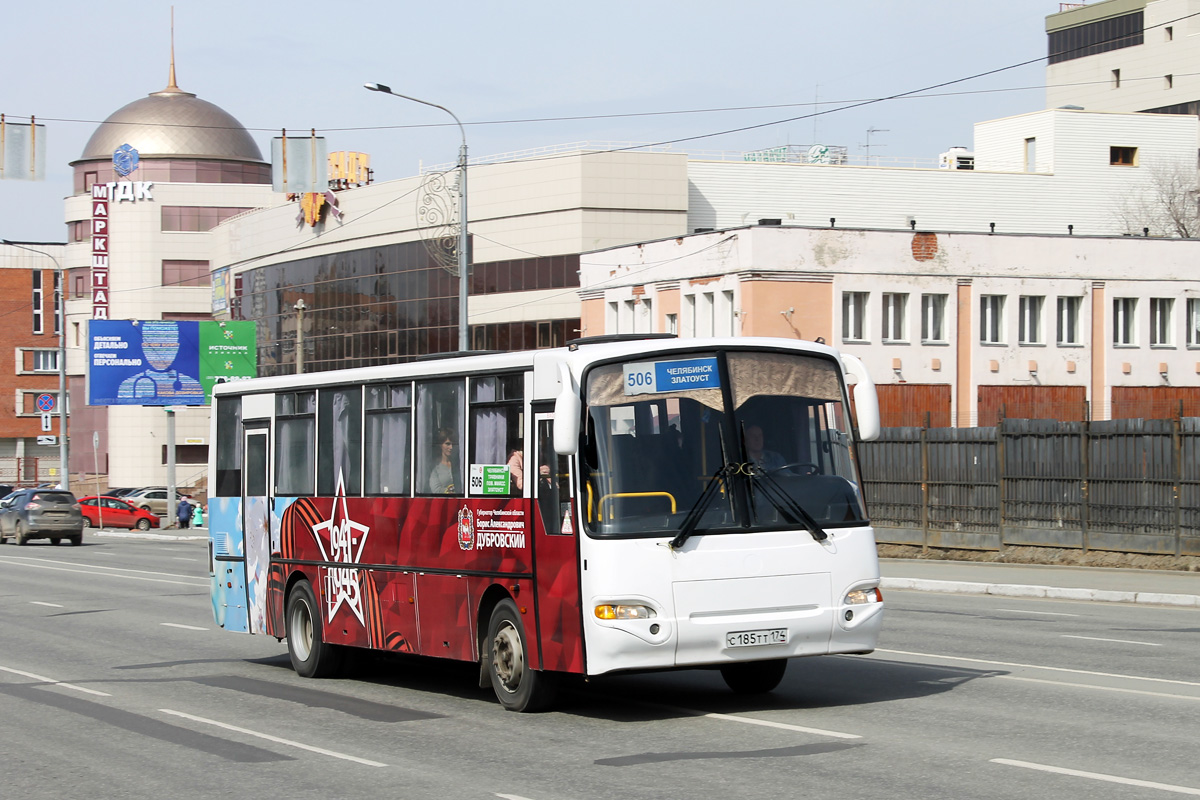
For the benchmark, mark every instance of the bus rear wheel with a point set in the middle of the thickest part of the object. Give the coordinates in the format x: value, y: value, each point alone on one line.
x: 754, y: 677
x: 312, y: 656
x: 517, y: 686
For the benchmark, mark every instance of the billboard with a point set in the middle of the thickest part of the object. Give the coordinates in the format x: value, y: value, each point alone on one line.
x: 164, y: 362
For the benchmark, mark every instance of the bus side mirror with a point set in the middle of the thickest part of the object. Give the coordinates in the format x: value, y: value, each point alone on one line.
x: 566, y: 414
x: 866, y: 401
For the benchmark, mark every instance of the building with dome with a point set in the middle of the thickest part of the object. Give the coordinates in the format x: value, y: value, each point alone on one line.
x: 172, y: 167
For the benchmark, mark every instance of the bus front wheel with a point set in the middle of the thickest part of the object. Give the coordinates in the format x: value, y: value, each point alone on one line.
x: 754, y: 677
x: 312, y: 656
x: 517, y: 686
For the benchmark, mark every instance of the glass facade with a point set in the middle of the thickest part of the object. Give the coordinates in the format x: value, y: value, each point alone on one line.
x: 1096, y: 37
x: 386, y: 304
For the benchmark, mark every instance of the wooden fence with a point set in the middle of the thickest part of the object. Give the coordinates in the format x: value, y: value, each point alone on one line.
x: 1127, y: 485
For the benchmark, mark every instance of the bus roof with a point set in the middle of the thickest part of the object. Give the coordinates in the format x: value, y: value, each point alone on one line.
x: 577, y: 355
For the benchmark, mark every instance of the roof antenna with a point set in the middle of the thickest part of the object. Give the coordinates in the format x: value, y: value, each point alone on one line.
x: 171, y: 87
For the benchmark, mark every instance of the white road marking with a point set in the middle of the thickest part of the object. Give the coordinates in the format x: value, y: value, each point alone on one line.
x: 190, y: 560
x: 185, y: 627
x: 782, y: 725
x: 1043, y: 613
x: 1094, y: 686
x: 43, y: 679
x: 1036, y: 666
x: 512, y: 797
x: 112, y: 572
x: 1098, y: 776
x: 1115, y: 641
x: 276, y: 739
x: 40, y: 603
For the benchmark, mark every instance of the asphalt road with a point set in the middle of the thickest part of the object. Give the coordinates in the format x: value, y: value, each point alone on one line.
x: 114, y: 681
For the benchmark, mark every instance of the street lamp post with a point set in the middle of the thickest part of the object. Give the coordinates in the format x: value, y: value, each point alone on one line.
x: 463, y: 265
x: 61, y: 298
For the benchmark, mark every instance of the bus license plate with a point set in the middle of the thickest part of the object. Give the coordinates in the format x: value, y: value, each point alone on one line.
x: 753, y: 638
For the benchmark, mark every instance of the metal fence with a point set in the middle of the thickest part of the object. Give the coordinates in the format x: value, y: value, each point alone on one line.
x: 28, y: 470
x: 1126, y: 485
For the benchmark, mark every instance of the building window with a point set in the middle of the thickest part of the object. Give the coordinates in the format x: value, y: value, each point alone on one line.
x: 1068, y: 320
x: 1030, y: 155
x: 1116, y: 79
x: 991, y: 319
x: 177, y: 272
x: 689, y: 315
x: 1168, y: 81
x: 45, y: 361
x: 1125, y: 321
x: 1122, y: 156
x: 612, y: 318
x: 1160, y: 321
x: 724, y: 315
x: 854, y: 316
x: 1113, y: 33
x: 933, y: 318
x: 37, y: 302
x: 1030, y: 323
x: 1193, y: 327
x: 894, y: 305
x: 672, y: 323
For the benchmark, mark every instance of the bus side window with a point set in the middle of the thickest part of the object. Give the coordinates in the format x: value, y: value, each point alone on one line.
x: 497, y: 422
x: 295, y: 444
x: 229, y: 447
x: 387, y: 448
x: 440, y: 438
x: 339, y: 452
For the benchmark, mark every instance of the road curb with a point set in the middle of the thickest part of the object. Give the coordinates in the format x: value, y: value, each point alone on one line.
x: 135, y: 535
x: 1049, y: 592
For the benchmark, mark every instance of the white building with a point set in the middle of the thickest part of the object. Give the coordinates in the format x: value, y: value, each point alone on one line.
x: 1125, y: 55
x: 956, y: 329
x: 197, y: 166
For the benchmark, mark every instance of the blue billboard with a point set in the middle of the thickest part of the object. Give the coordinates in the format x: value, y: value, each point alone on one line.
x: 144, y: 363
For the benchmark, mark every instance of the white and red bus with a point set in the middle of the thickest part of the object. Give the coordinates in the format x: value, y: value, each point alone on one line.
x: 609, y: 506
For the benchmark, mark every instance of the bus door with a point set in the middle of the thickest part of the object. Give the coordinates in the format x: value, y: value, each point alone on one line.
x: 556, y: 550
x: 256, y: 523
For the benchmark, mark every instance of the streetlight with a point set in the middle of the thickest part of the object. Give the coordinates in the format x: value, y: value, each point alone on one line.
x: 300, y: 308
x: 61, y: 297
x: 463, y: 266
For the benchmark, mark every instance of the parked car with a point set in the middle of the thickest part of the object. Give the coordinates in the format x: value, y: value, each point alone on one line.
x: 120, y: 492
x: 154, y: 499
x: 112, y: 512
x: 41, y: 514
x: 5, y: 490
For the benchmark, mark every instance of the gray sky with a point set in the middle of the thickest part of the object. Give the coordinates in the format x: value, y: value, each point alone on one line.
x: 517, y: 75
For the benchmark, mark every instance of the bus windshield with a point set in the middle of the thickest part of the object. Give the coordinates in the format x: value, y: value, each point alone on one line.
x: 762, y: 431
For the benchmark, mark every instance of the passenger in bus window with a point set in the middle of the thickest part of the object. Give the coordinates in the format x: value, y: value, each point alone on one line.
x: 516, y: 466
x: 441, y: 479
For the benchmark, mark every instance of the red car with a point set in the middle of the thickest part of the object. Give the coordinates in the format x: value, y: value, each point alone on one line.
x: 112, y: 512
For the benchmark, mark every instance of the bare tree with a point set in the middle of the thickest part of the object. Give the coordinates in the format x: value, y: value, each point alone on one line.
x: 1168, y: 205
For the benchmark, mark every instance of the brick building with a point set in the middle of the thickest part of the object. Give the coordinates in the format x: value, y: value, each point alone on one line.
x: 28, y: 360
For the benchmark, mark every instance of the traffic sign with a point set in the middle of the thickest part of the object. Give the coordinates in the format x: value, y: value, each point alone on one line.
x: 45, y: 402
x: 46, y: 426
x: 50, y: 440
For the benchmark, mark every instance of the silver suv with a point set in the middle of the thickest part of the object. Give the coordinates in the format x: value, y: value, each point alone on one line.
x: 41, y: 514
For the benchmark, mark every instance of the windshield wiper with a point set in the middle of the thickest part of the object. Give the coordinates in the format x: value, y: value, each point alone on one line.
x: 719, y: 478
x: 784, y: 503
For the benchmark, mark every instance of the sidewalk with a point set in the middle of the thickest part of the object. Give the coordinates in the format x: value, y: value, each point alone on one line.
x: 1152, y: 587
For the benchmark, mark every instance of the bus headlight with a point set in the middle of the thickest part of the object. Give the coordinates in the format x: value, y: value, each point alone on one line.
x: 858, y: 597
x: 624, y: 612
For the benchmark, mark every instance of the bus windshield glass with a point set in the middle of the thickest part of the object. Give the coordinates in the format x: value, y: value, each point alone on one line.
x: 735, y: 440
